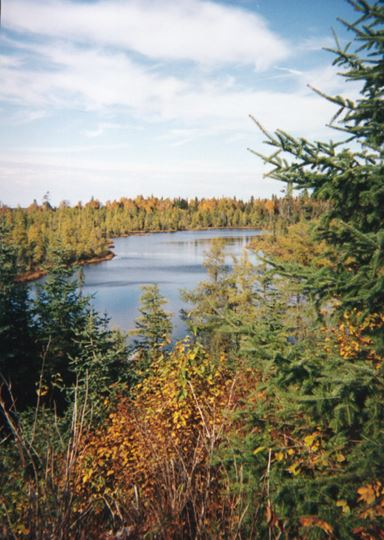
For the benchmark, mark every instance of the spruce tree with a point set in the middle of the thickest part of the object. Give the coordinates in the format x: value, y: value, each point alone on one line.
x: 100, y: 364
x: 210, y: 298
x: 348, y: 173
x: 18, y: 363
x: 313, y: 451
x: 60, y: 312
x: 153, y: 326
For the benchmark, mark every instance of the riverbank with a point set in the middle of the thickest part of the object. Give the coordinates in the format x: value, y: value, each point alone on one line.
x: 33, y: 275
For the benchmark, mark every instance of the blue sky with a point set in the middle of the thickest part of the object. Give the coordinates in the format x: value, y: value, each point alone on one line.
x: 114, y: 98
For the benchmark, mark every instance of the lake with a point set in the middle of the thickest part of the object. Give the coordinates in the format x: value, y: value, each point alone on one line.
x: 174, y: 261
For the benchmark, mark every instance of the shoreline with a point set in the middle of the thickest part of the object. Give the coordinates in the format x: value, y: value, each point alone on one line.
x: 34, y: 275
x: 142, y: 233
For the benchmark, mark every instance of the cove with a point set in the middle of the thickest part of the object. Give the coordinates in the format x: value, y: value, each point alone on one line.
x: 173, y: 261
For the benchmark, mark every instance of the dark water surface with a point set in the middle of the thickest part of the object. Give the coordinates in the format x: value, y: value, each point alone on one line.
x: 172, y: 260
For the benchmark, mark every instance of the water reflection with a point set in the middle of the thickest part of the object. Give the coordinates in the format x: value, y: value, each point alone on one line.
x: 230, y: 240
x: 172, y: 260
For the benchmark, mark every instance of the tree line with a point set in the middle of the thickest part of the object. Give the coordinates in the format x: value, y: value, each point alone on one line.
x: 83, y: 232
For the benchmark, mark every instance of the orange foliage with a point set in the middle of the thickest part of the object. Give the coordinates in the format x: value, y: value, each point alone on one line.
x: 151, y: 462
x: 371, y: 500
x: 270, y: 205
x: 314, y: 521
x: 372, y: 497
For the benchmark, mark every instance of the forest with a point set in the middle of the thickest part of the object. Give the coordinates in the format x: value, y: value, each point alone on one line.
x: 266, y: 420
x: 85, y: 232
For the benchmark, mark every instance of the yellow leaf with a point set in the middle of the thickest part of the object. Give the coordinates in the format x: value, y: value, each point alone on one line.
x: 294, y: 468
x: 42, y: 391
x: 344, y: 506
x: 279, y: 456
x: 258, y: 450
x: 309, y: 440
x: 367, y: 494
x: 85, y: 478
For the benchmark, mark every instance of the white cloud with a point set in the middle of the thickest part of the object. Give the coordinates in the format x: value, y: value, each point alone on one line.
x: 86, y: 78
x: 289, y: 71
x: 102, y: 127
x: 315, y: 43
x: 96, y: 132
x: 26, y: 116
x: 9, y: 61
x: 77, y: 64
x: 98, y: 78
x: 200, y: 31
x: 92, y: 79
x: 326, y: 79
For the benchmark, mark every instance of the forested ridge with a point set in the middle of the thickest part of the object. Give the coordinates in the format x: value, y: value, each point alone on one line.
x: 84, y: 232
x: 267, y: 420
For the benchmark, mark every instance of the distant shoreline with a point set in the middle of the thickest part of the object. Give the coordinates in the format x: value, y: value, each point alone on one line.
x: 34, y: 275
x: 142, y: 233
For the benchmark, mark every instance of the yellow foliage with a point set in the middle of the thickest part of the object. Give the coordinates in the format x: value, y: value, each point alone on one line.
x: 161, y: 438
x: 354, y: 336
x: 296, y: 246
x: 312, y: 441
x: 294, y: 469
x: 369, y: 492
x: 279, y: 456
x: 344, y: 506
x: 371, y: 499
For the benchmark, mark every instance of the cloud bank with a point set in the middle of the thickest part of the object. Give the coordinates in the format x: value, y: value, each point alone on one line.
x: 193, y: 30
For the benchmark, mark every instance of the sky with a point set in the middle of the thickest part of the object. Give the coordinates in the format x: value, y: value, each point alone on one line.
x: 113, y: 98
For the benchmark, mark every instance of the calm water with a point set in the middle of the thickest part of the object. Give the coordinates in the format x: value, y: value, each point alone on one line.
x: 172, y: 260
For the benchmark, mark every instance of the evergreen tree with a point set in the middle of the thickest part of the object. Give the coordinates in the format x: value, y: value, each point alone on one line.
x: 153, y: 326
x: 60, y: 312
x: 315, y: 420
x: 350, y: 173
x: 100, y: 364
x: 210, y: 298
x: 18, y: 365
